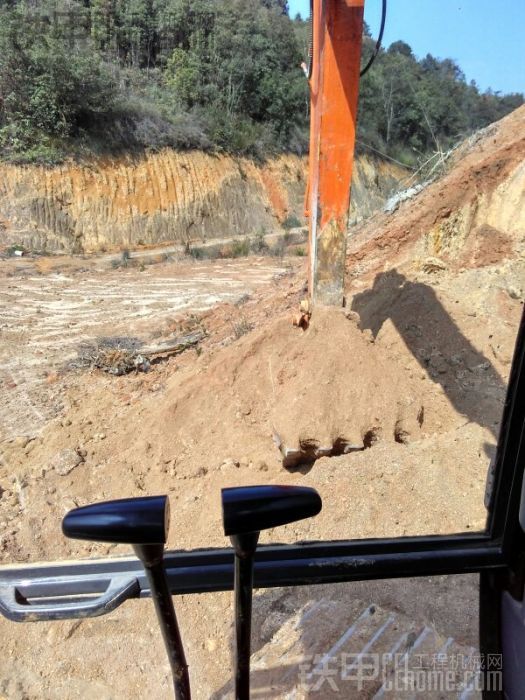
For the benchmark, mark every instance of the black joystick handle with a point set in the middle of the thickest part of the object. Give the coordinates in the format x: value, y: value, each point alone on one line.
x: 246, y: 511
x: 143, y: 523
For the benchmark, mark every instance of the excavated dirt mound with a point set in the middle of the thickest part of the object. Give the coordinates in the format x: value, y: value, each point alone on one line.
x: 279, y: 404
x: 328, y: 390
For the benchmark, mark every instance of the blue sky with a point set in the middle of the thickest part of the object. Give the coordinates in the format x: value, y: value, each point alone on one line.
x: 486, y: 38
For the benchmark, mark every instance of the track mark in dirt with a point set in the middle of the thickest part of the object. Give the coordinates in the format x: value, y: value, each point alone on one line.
x: 44, y: 318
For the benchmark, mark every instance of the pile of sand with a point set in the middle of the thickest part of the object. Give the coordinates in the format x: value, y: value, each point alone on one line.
x: 289, y: 396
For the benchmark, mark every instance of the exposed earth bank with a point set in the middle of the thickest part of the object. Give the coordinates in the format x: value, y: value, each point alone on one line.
x: 165, y: 197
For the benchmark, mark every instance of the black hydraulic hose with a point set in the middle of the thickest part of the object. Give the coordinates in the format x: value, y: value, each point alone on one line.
x: 309, y: 64
x: 310, y: 56
x: 378, y: 42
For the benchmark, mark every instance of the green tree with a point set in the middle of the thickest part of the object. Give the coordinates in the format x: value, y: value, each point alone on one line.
x: 203, y: 73
x: 46, y: 91
x: 103, y: 22
x: 240, y: 65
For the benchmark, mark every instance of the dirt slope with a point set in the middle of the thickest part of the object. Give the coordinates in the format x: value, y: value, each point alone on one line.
x: 473, y: 216
x: 167, y: 196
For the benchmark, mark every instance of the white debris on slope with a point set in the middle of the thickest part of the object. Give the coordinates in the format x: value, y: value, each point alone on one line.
x: 394, y: 201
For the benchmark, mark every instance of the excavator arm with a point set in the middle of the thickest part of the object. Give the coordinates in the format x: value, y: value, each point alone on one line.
x: 337, y: 29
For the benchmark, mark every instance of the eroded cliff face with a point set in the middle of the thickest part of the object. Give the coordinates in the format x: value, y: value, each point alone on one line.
x: 167, y: 196
x: 374, y: 180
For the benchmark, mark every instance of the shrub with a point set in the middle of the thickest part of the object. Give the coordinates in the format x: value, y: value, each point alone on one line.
x: 48, y: 90
x: 240, y: 248
x: 291, y: 221
x: 196, y: 253
x: 259, y: 244
x: 278, y: 249
x: 241, y: 327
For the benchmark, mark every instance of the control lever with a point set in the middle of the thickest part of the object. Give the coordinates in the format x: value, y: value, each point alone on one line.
x: 143, y: 523
x: 246, y: 511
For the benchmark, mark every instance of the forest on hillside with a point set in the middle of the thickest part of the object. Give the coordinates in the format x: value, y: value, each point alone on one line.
x: 82, y: 77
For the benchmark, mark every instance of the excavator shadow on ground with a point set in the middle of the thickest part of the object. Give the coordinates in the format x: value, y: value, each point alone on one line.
x: 469, y: 379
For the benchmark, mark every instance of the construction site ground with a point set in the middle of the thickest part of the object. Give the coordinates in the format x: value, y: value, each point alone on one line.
x: 390, y: 407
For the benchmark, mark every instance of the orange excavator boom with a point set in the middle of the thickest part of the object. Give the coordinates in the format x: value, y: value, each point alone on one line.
x: 334, y: 86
